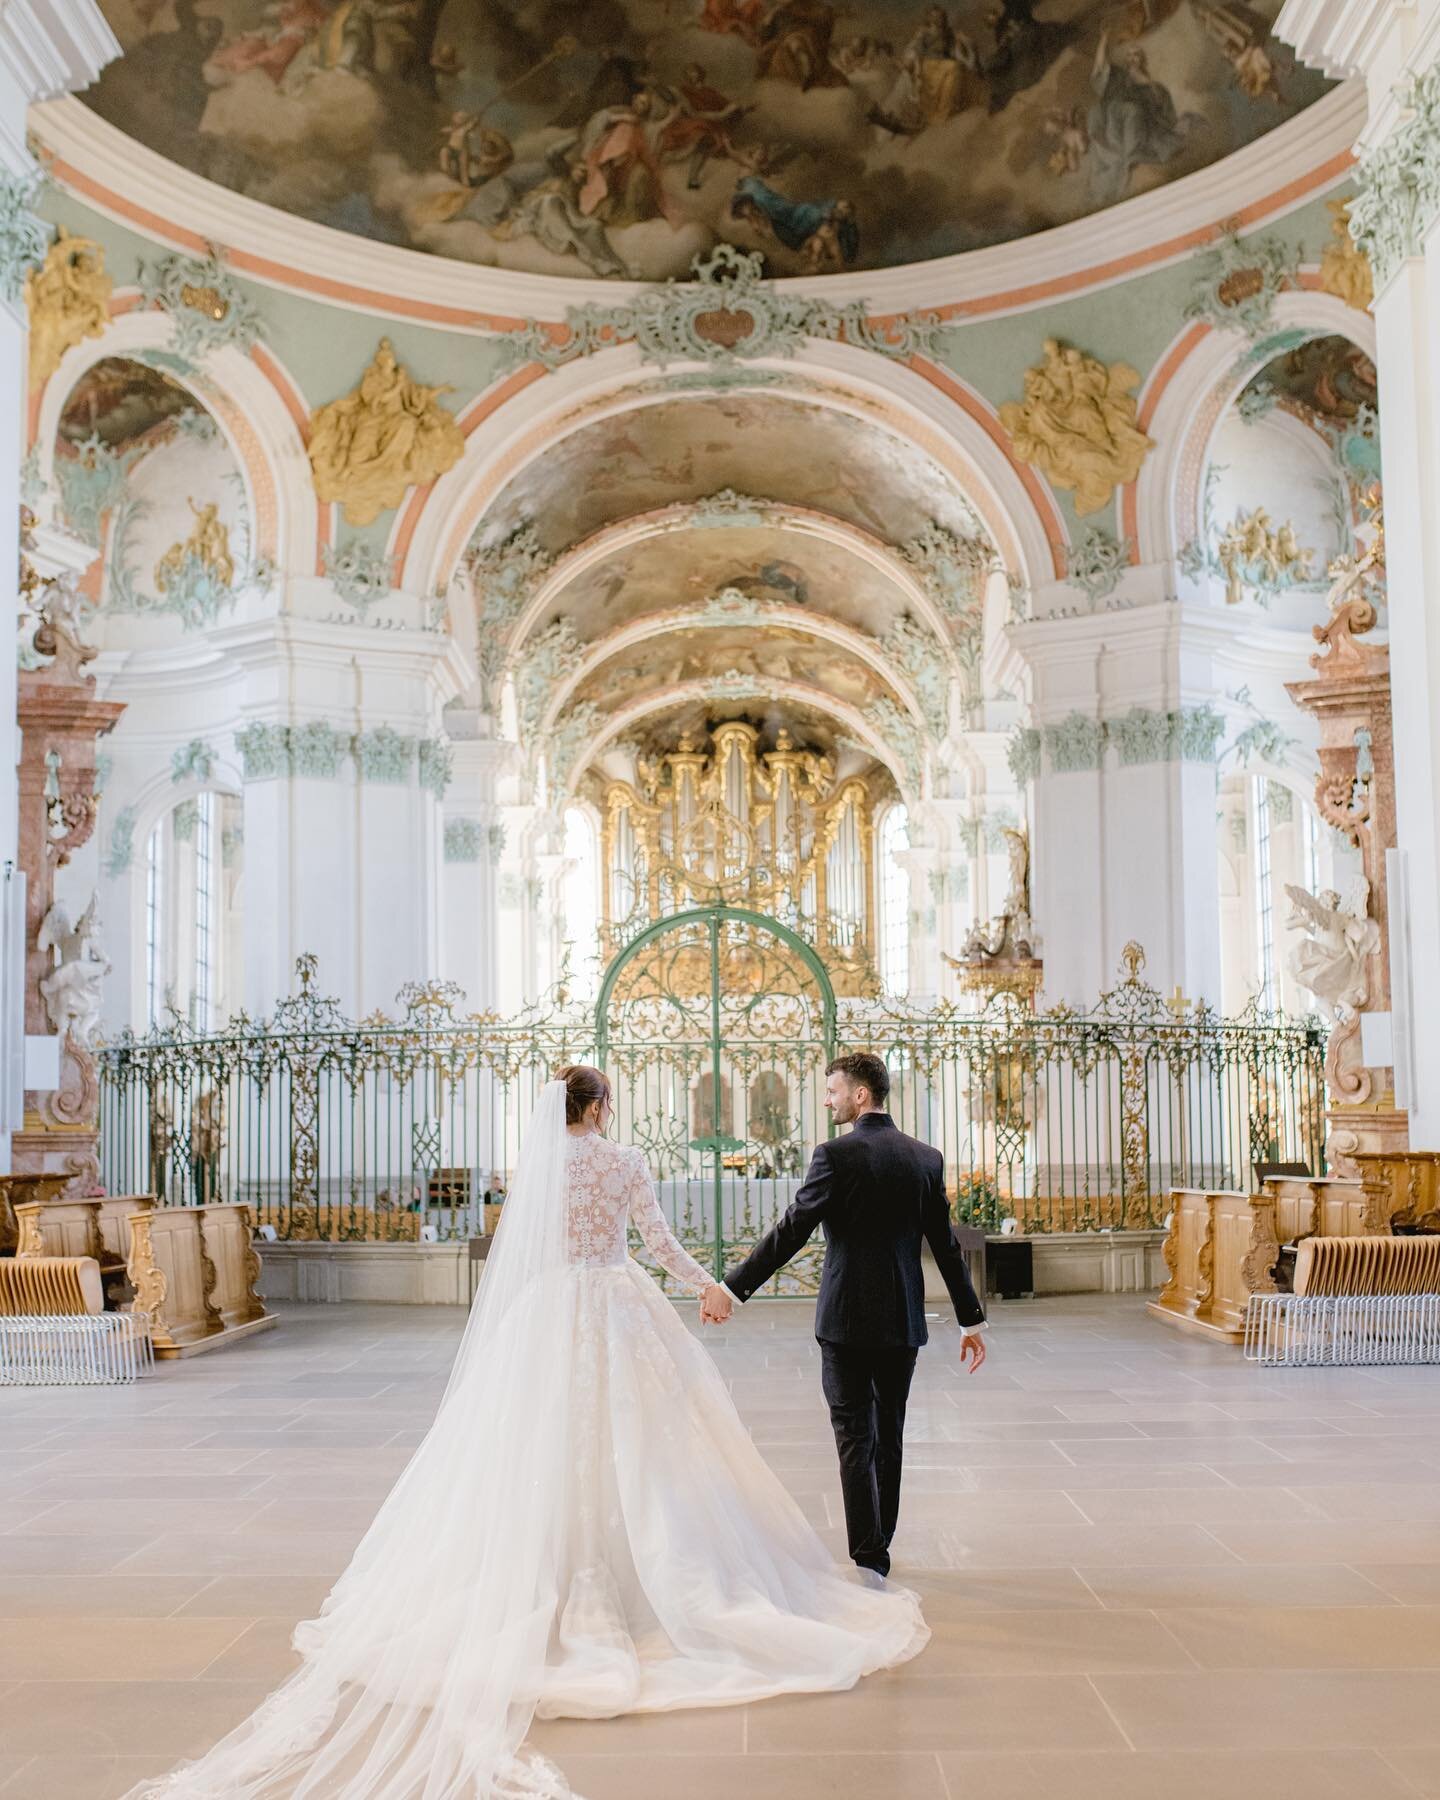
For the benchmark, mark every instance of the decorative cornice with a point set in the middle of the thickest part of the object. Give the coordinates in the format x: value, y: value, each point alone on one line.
x: 729, y: 313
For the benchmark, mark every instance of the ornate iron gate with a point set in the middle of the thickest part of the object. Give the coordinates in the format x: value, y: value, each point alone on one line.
x: 715, y: 1026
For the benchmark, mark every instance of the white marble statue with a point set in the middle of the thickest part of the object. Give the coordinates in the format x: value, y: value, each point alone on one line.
x: 1329, y: 962
x: 71, y: 990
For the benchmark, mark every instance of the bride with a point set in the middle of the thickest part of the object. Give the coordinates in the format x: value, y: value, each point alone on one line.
x: 585, y: 1530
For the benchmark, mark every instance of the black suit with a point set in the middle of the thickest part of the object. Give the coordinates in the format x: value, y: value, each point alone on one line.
x: 877, y: 1193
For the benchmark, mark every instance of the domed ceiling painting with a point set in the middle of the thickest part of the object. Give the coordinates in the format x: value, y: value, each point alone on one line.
x: 622, y: 137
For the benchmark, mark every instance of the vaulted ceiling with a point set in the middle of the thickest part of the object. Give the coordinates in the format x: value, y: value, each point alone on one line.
x: 637, y: 592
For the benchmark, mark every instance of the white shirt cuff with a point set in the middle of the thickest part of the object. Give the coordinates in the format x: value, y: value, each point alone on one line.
x: 972, y: 1330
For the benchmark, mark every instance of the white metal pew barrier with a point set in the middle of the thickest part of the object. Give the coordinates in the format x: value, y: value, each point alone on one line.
x: 54, y: 1329
x: 1356, y: 1301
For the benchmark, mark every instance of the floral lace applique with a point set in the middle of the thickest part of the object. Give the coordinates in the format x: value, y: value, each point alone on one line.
x: 609, y: 1188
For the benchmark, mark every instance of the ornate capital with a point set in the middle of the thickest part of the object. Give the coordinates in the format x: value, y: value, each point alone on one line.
x: 1398, y: 184
x: 464, y: 840
x: 1074, y: 744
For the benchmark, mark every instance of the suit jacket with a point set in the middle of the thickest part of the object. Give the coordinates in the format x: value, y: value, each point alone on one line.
x: 876, y: 1193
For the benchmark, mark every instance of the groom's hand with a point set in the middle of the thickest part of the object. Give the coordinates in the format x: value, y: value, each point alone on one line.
x: 972, y: 1350
x: 716, y: 1304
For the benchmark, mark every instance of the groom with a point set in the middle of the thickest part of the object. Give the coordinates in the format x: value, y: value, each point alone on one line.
x: 877, y: 1193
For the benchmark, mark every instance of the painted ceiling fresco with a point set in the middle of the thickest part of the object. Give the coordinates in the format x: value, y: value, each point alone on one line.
x: 622, y: 137
x: 772, y: 654
x: 695, y: 445
x: 767, y: 563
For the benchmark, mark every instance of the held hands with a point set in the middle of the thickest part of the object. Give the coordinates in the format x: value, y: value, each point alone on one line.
x: 716, y: 1304
x: 972, y: 1350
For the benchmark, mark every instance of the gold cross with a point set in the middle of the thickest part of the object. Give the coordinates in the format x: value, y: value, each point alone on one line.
x: 1178, y: 1004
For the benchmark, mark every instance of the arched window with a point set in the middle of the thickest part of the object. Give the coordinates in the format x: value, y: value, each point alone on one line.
x: 1263, y: 871
x: 155, y: 923
x: 894, y: 884
x: 580, y: 898
x: 192, y: 911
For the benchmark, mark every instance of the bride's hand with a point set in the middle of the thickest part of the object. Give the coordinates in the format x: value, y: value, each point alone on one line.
x: 716, y: 1304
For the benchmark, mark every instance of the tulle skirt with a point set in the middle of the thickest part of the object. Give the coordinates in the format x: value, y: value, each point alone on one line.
x: 690, y: 1577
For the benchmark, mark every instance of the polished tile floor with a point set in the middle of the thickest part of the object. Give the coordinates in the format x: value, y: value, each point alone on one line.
x: 1150, y: 1569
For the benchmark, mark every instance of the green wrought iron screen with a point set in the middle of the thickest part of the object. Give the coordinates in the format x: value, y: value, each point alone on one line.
x: 715, y: 1027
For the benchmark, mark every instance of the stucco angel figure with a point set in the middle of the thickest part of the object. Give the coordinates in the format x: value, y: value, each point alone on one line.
x: 1077, y: 425
x: 67, y: 298
x: 207, y: 544
x: 71, y: 991
x: 389, y: 433
x: 1329, y: 962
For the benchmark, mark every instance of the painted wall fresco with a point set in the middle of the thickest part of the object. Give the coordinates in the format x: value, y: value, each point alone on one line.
x: 621, y: 137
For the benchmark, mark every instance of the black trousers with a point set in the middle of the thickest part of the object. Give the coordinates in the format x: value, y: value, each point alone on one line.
x: 866, y: 1388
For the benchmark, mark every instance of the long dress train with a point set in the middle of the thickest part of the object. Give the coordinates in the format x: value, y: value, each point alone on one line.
x: 586, y: 1530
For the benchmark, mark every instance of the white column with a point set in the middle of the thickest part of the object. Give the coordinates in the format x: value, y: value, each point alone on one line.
x: 1393, y: 47
x: 1408, y: 362
x: 1122, y: 798
x: 473, y: 843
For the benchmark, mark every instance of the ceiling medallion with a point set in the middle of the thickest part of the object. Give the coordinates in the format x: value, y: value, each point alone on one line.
x: 728, y: 312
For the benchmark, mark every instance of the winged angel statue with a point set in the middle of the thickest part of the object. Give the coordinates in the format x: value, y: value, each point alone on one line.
x: 1340, y: 936
x: 71, y: 990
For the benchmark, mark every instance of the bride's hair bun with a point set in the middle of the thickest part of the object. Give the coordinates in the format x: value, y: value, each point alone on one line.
x: 583, y: 1087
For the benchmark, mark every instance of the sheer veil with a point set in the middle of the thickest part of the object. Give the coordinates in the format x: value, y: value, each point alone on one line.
x: 421, y: 1675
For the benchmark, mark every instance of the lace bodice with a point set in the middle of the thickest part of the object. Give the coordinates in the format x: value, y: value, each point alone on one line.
x: 608, y: 1187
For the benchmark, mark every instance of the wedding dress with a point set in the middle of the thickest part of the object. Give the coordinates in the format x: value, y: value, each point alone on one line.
x: 586, y: 1530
